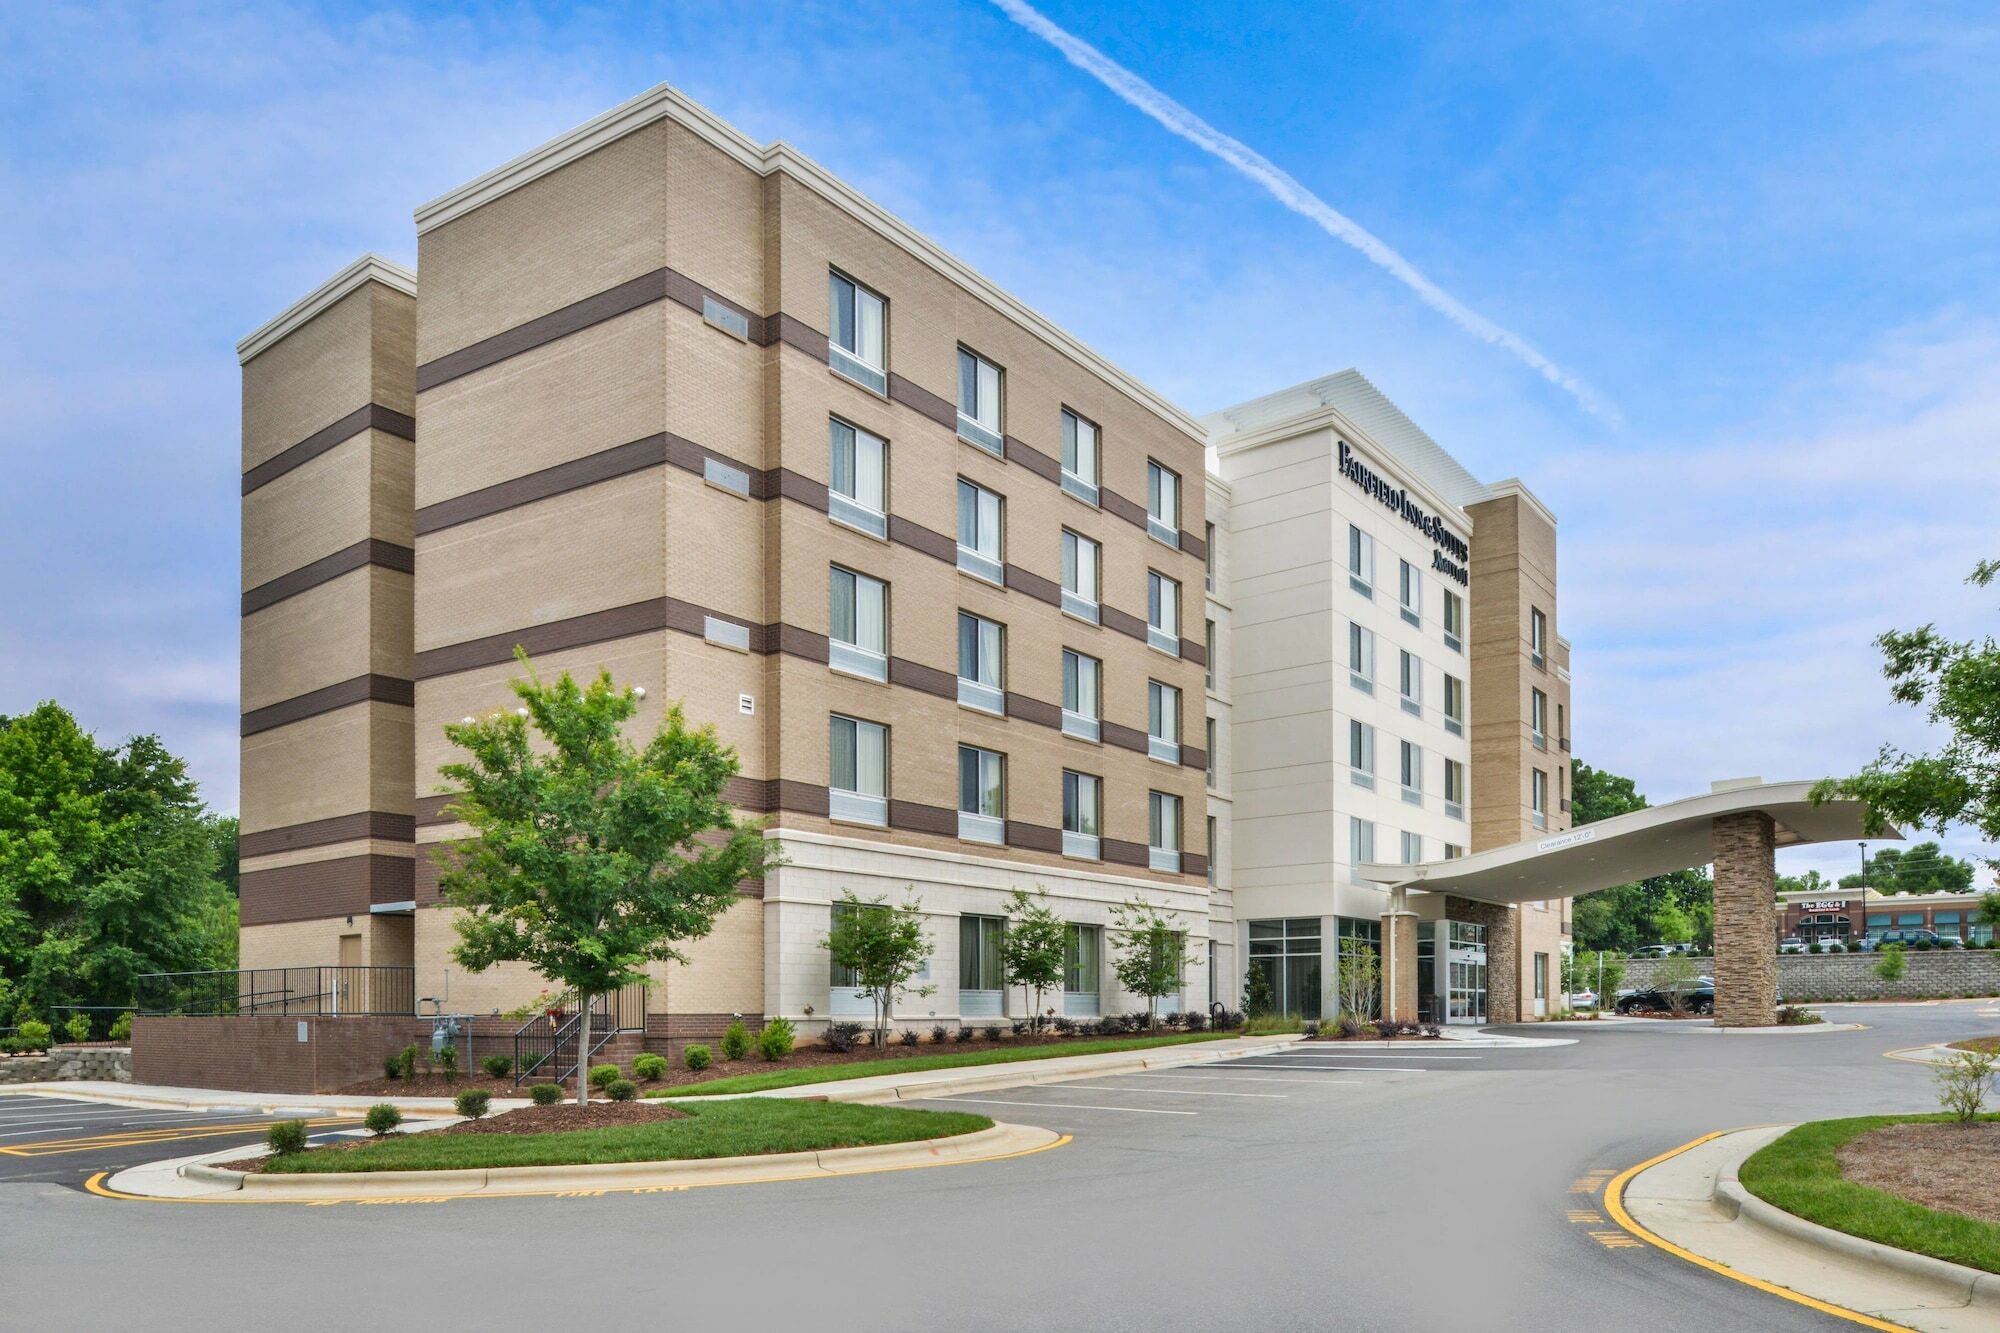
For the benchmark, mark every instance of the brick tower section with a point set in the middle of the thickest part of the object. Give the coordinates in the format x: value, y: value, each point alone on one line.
x: 1746, y: 967
x: 1503, y: 942
x: 1399, y: 992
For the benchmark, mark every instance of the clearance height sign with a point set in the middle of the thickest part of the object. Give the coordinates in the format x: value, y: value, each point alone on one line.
x: 1452, y: 555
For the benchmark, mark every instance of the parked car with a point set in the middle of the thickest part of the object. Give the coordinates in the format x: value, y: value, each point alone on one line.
x: 1583, y: 999
x: 1791, y: 944
x: 1661, y: 950
x: 1697, y: 999
x: 1861, y: 944
x: 1912, y: 935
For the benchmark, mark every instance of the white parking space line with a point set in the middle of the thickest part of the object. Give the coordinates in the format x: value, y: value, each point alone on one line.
x: 1064, y: 1106
x: 1253, y: 1078
x: 1364, y: 1055
x: 67, y: 1118
x: 1178, y: 1092
x: 1353, y: 1069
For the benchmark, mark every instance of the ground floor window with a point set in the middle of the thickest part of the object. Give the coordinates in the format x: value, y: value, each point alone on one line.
x: 1357, y: 933
x: 1286, y: 953
x: 980, y: 987
x: 1081, y: 969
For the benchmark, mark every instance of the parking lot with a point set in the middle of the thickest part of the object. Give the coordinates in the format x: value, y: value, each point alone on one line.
x: 57, y: 1140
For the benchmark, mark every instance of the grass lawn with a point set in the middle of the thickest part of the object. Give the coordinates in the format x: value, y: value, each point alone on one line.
x: 1798, y: 1173
x: 995, y: 1055
x: 718, y: 1129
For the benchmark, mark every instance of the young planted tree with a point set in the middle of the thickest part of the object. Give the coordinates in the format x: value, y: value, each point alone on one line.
x: 1151, y: 954
x: 1675, y: 978
x: 1032, y: 946
x: 589, y: 858
x: 883, y: 947
x: 1357, y: 980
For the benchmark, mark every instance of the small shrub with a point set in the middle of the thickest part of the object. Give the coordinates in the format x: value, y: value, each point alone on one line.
x: 1794, y: 1015
x: 601, y: 1075
x: 621, y: 1090
x: 392, y: 1065
x: 381, y: 1118
x: 992, y: 1032
x: 1924, y: 945
x: 940, y: 1034
x: 696, y: 1056
x: 545, y: 1094
x: 498, y: 1066
x: 447, y: 1062
x: 650, y: 1066
x: 286, y: 1137
x: 1963, y: 1084
x: 77, y: 1029
x: 408, y: 1060
x: 736, y: 1041
x: 1265, y: 1025
x: 1230, y: 1020
x: 966, y: 1032
x: 1197, y: 1022
x: 1311, y: 1029
x: 1815, y: 947
x: 911, y: 1036
x: 1433, y: 1030
x: 1022, y: 1027
x: 840, y: 1037
x: 1063, y: 1024
x: 472, y: 1103
x: 33, y: 1034
x: 1349, y: 1025
x: 1891, y: 965
x: 121, y: 1027
x: 776, y: 1040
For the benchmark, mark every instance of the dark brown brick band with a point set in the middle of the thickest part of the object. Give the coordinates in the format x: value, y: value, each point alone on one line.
x: 371, y: 551
x: 343, y: 886
x: 377, y: 824
x: 361, y: 689
x: 373, y: 416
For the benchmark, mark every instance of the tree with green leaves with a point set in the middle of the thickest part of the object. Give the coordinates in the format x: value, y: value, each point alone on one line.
x: 588, y: 858
x: 1151, y: 954
x: 1675, y: 978
x: 1357, y: 980
x: 1032, y: 947
x: 1924, y: 868
x: 883, y: 947
x: 1957, y: 684
x: 1988, y: 912
x: 108, y: 866
x: 1622, y: 917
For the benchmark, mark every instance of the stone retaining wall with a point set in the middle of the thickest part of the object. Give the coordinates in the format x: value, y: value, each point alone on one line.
x: 1937, y: 974
x: 70, y: 1064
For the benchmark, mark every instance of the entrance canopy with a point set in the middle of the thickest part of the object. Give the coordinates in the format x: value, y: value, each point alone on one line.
x: 1628, y: 847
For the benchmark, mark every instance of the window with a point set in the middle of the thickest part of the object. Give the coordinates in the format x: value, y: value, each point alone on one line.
x: 1410, y: 593
x: 1163, y: 811
x: 1079, y: 457
x: 723, y: 476
x: 1538, y: 797
x: 1163, y: 504
x: 1454, y: 621
x: 1287, y: 953
x: 843, y: 982
x: 1208, y: 556
x: 981, y: 813
x: 1412, y: 848
x: 979, y: 664
x: 1410, y: 674
x: 726, y: 633
x: 1211, y: 753
x: 1412, y: 770
x: 1452, y: 851
x: 1082, y: 965
x: 1360, y: 561
x: 1208, y: 654
x: 1163, y: 613
x: 1538, y: 636
x: 1080, y: 686
x: 979, y: 532
x: 1454, y: 789
x: 980, y: 978
x: 1538, y: 718
x: 858, y: 494
x: 1562, y: 726
x: 732, y: 322
x: 858, y: 642
x: 1214, y: 853
x: 1361, y: 753
x: 857, y: 344
x: 1361, y: 658
x: 857, y: 777
x: 1360, y: 841
x: 1163, y: 722
x: 1454, y: 705
x: 979, y: 402
x: 1079, y: 576
x: 1083, y: 809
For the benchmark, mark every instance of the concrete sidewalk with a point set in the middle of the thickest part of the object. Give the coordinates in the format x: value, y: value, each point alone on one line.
x: 1694, y: 1202
x: 154, y: 1097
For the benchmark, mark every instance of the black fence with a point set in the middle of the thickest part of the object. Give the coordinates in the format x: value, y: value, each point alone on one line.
x: 327, y: 991
x: 545, y: 1047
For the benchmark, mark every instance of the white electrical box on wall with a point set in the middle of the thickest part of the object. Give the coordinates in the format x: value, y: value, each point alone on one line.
x: 745, y: 704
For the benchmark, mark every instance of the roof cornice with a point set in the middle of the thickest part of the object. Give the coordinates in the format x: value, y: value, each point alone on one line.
x: 1329, y: 417
x: 368, y: 268
x: 665, y: 102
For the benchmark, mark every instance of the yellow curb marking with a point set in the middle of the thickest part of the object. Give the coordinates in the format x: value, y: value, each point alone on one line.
x: 1614, y: 1204
x: 139, y: 1137
x: 1585, y: 1215
x: 95, y: 1185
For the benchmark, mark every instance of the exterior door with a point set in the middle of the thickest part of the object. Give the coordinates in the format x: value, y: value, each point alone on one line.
x: 1541, y: 985
x: 348, y: 976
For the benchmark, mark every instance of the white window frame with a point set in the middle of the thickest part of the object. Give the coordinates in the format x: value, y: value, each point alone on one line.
x: 1412, y: 848
x: 856, y: 804
x: 1163, y: 722
x: 1082, y: 444
x: 983, y: 824
x: 1454, y: 621
x: 1410, y: 681
x: 1360, y: 841
x: 1082, y: 793
x: 1454, y: 704
x: 1454, y: 789
x: 1538, y: 718
x: 1538, y: 797
x: 1361, y: 657
x: 865, y: 507
x: 1087, y: 674
x: 1361, y: 753
x: 1410, y: 772
x: 854, y: 656
x: 1410, y: 593
x: 986, y: 382
x: 1163, y: 504
x: 1163, y: 835
x: 985, y: 557
x: 1082, y: 564
x: 1360, y: 561
x: 854, y: 360
x: 1538, y: 636
x: 985, y: 688
x: 1163, y: 604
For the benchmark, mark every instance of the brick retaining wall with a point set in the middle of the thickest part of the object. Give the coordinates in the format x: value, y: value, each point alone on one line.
x: 1937, y: 974
x: 69, y: 1064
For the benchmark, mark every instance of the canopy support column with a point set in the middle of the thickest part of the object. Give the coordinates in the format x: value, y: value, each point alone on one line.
x: 1399, y: 958
x: 1746, y: 920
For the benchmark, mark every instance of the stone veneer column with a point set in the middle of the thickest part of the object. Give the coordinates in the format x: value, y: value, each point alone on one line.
x: 1503, y: 954
x: 1746, y: 961
x: 1399, y: 966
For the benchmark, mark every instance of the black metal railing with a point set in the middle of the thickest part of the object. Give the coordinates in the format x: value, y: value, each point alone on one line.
x: 325, y: 991
x: 545, y: 1047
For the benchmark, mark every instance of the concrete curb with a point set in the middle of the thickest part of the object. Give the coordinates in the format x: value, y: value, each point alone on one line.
x: 247, y: 1103
x: 930, y: 1084
x: 1002, y: 1140
x: 1937, y: 1053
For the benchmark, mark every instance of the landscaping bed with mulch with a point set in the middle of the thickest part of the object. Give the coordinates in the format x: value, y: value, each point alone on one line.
x: 1981, y: 1045
x: 1951, y: 1167
x: 435, y: 1086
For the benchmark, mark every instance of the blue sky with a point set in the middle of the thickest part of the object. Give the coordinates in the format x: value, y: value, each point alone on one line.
x: 1767, y: 237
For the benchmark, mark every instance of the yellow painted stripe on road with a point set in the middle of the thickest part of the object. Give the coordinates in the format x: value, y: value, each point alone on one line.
x: 1614, y: 1204
x: 96, y: 1185
x: 140, y: 1137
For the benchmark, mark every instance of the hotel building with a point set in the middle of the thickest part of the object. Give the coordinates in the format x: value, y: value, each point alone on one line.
x: 682, y: 407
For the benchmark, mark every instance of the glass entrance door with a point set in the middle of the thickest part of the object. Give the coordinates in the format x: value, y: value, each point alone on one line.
x: 1465, y: 997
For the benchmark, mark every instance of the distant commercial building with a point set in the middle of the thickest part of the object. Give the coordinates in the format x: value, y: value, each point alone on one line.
x: 1844, y: 915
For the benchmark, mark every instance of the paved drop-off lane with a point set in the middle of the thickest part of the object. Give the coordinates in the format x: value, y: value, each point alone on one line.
x: 1411, y: 1194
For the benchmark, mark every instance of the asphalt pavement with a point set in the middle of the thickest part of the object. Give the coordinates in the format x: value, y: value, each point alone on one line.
x: 1419, y: 1187
x: 62, y: 1141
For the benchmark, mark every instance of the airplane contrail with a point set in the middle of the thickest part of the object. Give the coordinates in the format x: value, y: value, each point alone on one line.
x: 1283, y: 187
